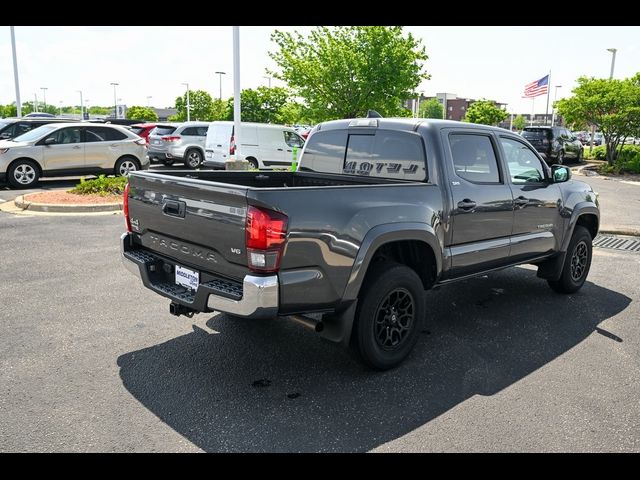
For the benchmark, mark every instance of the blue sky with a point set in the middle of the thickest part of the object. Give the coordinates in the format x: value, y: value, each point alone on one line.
x: 473, y: 62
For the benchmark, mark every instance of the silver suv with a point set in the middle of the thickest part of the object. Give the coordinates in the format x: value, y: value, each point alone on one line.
x: 70, y: 148
x: 171, y: 142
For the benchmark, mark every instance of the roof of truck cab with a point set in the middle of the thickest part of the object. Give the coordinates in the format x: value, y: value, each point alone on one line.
x: 403, y: 123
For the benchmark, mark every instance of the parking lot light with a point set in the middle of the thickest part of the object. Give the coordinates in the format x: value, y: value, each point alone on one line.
x: 188, y: 103
x: 115, y: 101
x: 613, y: 60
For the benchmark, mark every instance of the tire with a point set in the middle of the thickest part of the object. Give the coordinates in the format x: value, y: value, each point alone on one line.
x: 193, y: 159
x: 576, y: 264
x: 253, y: 162
x: 560, y: 157
x: 125, y: 165
x: 390, y: 307
x: 168, y: 162
x: 23, y: 174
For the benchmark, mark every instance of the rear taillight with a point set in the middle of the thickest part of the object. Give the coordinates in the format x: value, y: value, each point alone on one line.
x: 125, y: 207
x: 232, y: 146
x: 266, y: 235
x: 171, y: 138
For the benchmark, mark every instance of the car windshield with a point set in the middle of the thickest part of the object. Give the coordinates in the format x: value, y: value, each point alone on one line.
x: 536, y: 133
x: 3, y: 124
x: 35, y: 134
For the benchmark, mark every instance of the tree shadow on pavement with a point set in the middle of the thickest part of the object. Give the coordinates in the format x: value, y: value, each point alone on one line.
x: 274, y: 386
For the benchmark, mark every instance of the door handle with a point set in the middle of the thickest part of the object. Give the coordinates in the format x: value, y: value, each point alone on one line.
x: 280, y: 150
x: 467, y: 205
x: 521, y: 202
x: 218, y: 145
x: 76, y: 147
x: 113, y: 145
x: 289, y: 150
x: 173, y: 208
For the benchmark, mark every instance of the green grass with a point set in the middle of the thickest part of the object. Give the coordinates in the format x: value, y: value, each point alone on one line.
x: 101, y: 186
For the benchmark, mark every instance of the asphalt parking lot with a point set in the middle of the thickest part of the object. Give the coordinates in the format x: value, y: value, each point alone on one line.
x: 92, y: 361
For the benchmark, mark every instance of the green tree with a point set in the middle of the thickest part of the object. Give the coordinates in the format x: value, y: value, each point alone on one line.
x: 342, y: 72
x: 613, y: 106
x: 485, y: 112
x: 218, y: 109
x: 201, y: 106
x: 141, y: 113
x: 261, y: 105
x: 431, y: 109
x: 519, y: 122
x: 95, y: 110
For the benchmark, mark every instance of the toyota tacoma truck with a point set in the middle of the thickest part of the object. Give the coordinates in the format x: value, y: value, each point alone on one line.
x: 379, y: 211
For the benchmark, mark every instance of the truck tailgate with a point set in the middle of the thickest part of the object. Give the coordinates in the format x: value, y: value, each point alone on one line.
x: 197, y: 223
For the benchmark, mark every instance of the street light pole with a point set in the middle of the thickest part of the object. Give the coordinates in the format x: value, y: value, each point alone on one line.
x: 81, y: 105
x: 115, y: 101
x: 44, y: 97
x: 613, y: 60
x: 268, y: 78
x: 149, y: 97
x: 236, y: 90
x: 15, y: 72
x: 188, y: 104
x: 553, y: 106
x: 220, y: 78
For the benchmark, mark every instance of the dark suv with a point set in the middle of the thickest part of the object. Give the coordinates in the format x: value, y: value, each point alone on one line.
x: 556, y: 143
x: 14, y: 127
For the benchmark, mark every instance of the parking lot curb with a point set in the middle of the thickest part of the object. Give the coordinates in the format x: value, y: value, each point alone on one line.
x: 630, y: 232
x: 23, y: 203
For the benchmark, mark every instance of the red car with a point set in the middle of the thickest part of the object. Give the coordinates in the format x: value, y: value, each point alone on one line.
x: 143, y: 130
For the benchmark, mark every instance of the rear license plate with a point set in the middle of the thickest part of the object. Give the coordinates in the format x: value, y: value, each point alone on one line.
x: 187, y: 278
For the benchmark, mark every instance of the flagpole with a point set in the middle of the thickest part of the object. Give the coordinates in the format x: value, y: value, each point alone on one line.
x: 546, y: 114
x: 533, y: 101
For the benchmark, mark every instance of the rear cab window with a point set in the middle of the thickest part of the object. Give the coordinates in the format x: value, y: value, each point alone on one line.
x: 536, y: 133
x: 380, y: 153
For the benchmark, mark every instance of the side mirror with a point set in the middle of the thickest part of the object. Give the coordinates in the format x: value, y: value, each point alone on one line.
x: 5, y: 135
x: 560, y: 173
x: 50, y: 141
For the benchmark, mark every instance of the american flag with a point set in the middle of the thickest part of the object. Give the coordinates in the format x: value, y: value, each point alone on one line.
x: 539, y: 87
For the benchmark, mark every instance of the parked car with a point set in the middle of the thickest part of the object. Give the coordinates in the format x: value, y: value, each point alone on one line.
x: 70, y: 148
x: 14, y: 127
x: 178, y: 142
x: 598, y: 138
x: 39, y: 115
x: 583, y: 137
x: 556, y: 143
x: 143, y: 130
x: 379, y: 211
x: 262, y: 145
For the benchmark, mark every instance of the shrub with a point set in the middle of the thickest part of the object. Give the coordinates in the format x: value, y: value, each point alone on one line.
x: 599, y: 153
x: 101, y: 186
x: 628, y: 161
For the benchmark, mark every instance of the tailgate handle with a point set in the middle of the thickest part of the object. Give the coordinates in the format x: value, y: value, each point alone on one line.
x: 173, y: 208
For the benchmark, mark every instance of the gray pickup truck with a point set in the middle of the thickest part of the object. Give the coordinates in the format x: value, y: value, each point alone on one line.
x: 379, y: 211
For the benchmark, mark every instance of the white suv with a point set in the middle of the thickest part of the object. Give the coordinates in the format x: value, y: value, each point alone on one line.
x: 70, y: 149
x: 171, y: 142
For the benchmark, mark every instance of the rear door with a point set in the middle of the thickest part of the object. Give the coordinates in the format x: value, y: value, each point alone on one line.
x: 272, y: 148
x: 217, y: 141
x: 67, y: 152
x: 103, y: 146
x: 158, y: 139
x: 482, y: 204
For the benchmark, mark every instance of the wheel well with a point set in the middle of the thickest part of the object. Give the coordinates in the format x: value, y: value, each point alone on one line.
x: 130, y: 157
x: 38, y: 166
x: 415, y: 254
x: 194, y: 148
x: 590, y: 222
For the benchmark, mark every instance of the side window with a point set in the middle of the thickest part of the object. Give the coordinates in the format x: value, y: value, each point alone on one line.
x: 387, y: 154
x: 103, y: 134
x: 324, y: 152
x: 8, y: 132
x: 202, y: 131
x: 474, y: 158
x: 523, y: 165
x: 293, y: 140
x: 67, y: 135
x: 21, y: 128
x: 189, y: 132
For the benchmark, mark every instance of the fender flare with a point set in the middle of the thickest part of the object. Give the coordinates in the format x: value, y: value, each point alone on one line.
x: 580, y: 209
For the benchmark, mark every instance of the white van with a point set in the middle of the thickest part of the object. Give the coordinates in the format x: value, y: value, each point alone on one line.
x: 263, y: 145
